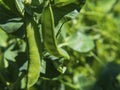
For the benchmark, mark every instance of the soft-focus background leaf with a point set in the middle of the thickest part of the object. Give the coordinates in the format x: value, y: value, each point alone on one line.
x: 79, y: 42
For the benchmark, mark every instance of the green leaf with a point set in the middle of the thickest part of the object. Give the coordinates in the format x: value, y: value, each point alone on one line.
x: 84, y: 82
x: 106, y: 5
x: 4, y: 4
x: 79, y: 42
x: 60, y: 12
x: 9, y: 54
x: 24, y: 66
x: 11, y: 25
x: 21, y: 45
x: 59, y: 66
x: 20, y: 6
x: 5, y: 13
x: 10, y: 4
x: 60, y: 3
x: 71, y: 15
x: 37, y: 2
x: 51, y: 70
x: 65, y: 19
x: 43, y: 67
x: 3, y: 38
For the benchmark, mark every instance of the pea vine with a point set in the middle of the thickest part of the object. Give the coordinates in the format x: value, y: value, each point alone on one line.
x: 35, y: 27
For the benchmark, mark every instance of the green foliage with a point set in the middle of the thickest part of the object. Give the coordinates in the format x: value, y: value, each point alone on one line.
x: 38, y: 36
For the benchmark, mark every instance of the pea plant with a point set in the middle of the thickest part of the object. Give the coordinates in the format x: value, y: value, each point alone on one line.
x: 39, y: 43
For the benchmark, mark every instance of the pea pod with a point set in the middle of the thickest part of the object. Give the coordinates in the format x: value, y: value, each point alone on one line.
x: 33, y: 42
x: 49, y: 38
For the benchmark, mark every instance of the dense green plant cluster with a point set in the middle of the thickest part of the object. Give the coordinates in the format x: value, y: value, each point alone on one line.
x: 59, y: 45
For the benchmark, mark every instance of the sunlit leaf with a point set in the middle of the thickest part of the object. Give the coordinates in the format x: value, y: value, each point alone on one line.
x: 11, y: 25
x: 10, y: 55
x: 80, y: 42
x: 20, y: 6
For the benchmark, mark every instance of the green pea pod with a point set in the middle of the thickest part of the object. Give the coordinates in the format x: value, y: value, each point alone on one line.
x: 33, y: 42
x: 49, y: 38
